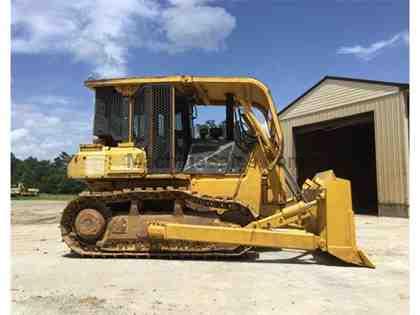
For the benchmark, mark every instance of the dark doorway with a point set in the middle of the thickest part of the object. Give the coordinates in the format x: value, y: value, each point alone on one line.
x: 347, y: 146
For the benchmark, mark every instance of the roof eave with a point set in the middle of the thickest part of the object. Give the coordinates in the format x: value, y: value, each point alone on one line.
x: 401, y: 86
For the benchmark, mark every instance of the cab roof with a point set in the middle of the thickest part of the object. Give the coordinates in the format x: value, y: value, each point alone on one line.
x: 210, y: 90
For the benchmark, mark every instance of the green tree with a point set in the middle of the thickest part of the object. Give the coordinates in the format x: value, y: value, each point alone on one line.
x: 47, y: 176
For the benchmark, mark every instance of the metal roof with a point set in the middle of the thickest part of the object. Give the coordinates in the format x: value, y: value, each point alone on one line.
x: 386, y: 83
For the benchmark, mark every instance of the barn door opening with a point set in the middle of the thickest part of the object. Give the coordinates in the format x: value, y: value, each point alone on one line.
x: 346, y: 145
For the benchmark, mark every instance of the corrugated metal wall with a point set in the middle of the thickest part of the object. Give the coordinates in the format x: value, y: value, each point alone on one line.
x: 391, y: 138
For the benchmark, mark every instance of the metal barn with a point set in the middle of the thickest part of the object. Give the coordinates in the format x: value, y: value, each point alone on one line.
x: 358, y: 128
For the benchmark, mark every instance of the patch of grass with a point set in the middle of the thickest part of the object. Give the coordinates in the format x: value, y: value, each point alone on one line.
x: 43, y: 196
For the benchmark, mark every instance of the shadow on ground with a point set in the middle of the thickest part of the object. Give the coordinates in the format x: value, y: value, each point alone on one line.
x: 305, y: 258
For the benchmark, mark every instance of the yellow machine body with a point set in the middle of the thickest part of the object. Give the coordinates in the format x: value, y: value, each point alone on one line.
x: 133, y: 208
x: 97, y: 161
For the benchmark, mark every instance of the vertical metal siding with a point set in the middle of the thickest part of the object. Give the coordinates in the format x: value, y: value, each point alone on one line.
x: 405, y: 126
x: 390, y: 143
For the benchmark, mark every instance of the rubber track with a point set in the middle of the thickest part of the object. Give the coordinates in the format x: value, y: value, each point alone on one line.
x: 98, y: 201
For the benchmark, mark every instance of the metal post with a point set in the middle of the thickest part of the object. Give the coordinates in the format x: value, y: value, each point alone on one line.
x: 229, y: 116
x: 130, y: 118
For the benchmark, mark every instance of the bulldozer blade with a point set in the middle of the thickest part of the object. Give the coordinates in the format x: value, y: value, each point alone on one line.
x: 335, y: 220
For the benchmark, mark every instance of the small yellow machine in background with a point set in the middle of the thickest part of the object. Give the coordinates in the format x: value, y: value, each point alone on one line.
x: 21, y: 190
x: 159, y: 187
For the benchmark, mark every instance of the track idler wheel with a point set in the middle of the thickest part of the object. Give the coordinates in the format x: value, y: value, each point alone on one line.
x: 85, y: 219
x: 90, y: 224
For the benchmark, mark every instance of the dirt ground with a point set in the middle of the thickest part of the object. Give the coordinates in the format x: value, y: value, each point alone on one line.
x: 45, y: 280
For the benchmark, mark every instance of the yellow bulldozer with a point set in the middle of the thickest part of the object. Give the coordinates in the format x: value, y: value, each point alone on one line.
x: 159, y: 187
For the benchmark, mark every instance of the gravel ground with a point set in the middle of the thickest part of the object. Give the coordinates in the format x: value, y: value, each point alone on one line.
x: 46, y: 280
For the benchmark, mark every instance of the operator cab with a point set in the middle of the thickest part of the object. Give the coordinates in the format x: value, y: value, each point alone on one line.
x: 176, y: 129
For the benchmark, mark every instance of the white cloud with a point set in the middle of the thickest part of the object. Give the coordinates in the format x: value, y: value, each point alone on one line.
x: 50, y: 99
x: 101, y: 32
x: 369, y: 52
x: 18, y: 134
x: 188, y: 27
x: 45, y: 134
x: 406, y: 37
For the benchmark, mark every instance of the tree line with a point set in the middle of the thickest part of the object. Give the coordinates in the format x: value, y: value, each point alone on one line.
x: 47, y: 176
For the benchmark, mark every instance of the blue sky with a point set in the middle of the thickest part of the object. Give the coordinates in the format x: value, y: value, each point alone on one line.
x: 287, y: 44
